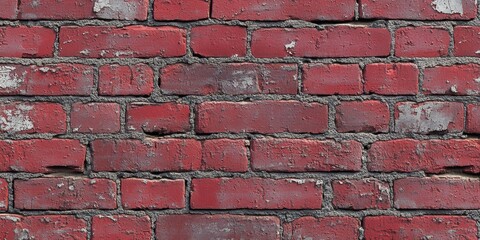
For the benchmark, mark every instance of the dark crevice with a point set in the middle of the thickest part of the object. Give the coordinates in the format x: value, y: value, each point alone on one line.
x: 64, y: 169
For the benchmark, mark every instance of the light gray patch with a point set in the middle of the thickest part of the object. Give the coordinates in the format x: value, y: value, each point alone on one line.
x: 448, y: 6
x: 424, y: 118
x: 8, y: 78
x: 116, y: 9
x: 16, y: 120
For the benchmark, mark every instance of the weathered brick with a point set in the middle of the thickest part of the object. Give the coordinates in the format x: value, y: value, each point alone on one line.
x: 219, y: 41
x: 330, y: 79
x: 121, y: 42
x: 23, y: 41
x: 49, y: 80
x: 95, y: 117
x: 166, y: 10
x: 391, y: 79
x: 9, y: 9
x: 122, y: 227
x: 473, y: 118
x: 230, y: 78
x: 322, y: 228
x: 466, y: 41
x: 255, y: 193
x: 117, y: 80
x: 302, y: 155
x: 32, y: 117
x: 367, y: 116
x: 335, y: 41
x: 275, y: 10
x: 41, y: 155
x: 261, y: 117
x: 429, y: 117
x: 418, y: 9
x: 431, y: 156
x: 158, y: 118
x: 452, y: 80
x: 152, y: 194
x: 64, y: 194
x: 421, y: 227
x: 219, y: 226
x: 437, y: 193
x: 424, y: 41
x: 83, y: 9
x: 368, y: 193
x: 55, y: 227
x: 149, y: 154
x: 3, y: 196
x: 228, y: 155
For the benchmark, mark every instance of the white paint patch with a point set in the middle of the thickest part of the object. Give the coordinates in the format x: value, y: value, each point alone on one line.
x: 85, y: 52
x: 16, y: 120
x: 290, y: 46
x: 297, y: 181
x: 477, y: 52
x: 244, y: 79
x: 454, y: 89
x: 100, y: 4
x: 7, y: 217
x: 8, y: 79
x: 477, y: 80
x: 448, y: 6
x: 423, y: 118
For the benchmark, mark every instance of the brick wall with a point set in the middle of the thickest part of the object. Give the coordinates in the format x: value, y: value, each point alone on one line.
x: 239, y: 119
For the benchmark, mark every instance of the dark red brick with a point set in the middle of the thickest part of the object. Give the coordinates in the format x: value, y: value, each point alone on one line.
x: 322, y: 228
x: 452, y: 80
x: 330, y: 79
x: 424, y: 41
x: 122, y: 227
x: 158, y: 118
x: 229, y: 155
x: 95, y: 117
x: 26, y: 42
x: 466, y: 41
x: 391, y: 79
x: 3, y: 196
x: 367, y: 116
x: 219, y: 41
x: 117, y: 80
x: 368, y: 193
x: 473, y: 118
x: 152, y: 194
x: 167, y: 10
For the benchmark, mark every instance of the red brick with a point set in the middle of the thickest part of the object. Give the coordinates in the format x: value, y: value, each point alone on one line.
x: 229, y: 155
x: 9, y: 10
x: 134, y: 80
x: 452, y: 80
x: 219, y: 41
x: 158, y: 118
x: 229, y: 78
x: 422, y: 41
x: 3, y: 196
x: 329, y: 79
x: 473, y: 118
x: 367, y: 116
x: 262, y: 117
x: 83, y: 9
x: 122, y: 227
x: 255, y: 193
x: 466, y: 41
x: 153, y: 194
x: 129, y: 41
x: 437, y: 193
x: 149, y: 154
x: 275, y: 10
x: 95, y: 117
x: 322, y: 228
x: 421, y: 227
x: 217, y: 227
x: 431, y: 156
x: 391, y: 79
x: 417, y: 9
x: 49, y: 80
x: 301, y: 155
x: 429, y: 117
x: 41, y: 155
x: 55, y: 227
x: 361, y: 194
x: 64, y: 194
x: 32, y: 117
x: 22, y: 42
x: 181, y: 10
x: 335, y: 41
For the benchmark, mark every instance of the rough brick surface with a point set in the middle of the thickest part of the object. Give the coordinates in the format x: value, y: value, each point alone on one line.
x: 421, y: 227
x: 256, y: 193
x: 299, y: 155
x: 239, y: 119
x: 322, y: 228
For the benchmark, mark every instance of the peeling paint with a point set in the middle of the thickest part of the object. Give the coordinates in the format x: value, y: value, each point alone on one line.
x: 8, y: 79
x: 423, y: 118
x: 448, y: 6
x: 11, y: 218
x: 290, y: 46
x: 16, y: 120
x: 100, y: 4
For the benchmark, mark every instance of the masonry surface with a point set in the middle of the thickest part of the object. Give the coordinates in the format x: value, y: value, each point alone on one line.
x: 239, y: 119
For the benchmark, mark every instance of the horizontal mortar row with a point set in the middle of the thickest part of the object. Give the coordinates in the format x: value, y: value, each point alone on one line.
x: 238, y: 155
x: 390, y: 79
x: 139, y: 41
x: 226, y: 226
x: 265, y: 116
x: 273, y: 10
